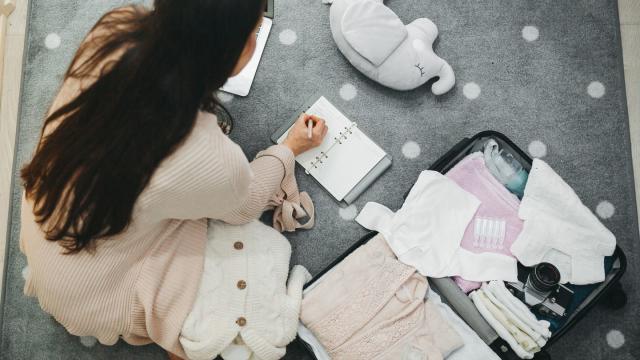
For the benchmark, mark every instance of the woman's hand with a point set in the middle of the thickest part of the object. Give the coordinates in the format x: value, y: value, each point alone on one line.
x: 298, y: 138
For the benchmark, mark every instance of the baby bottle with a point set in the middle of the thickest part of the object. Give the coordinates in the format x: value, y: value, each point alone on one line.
x: 504, y: 167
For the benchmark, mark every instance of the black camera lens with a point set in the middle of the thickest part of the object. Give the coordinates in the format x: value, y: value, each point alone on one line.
x: 544, y: 277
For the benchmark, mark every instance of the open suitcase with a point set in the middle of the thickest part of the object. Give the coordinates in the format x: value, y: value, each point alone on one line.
x: 462, y: 304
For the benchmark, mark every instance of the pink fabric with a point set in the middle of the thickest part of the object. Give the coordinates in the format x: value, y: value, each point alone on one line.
x: 371, y: 307
x: 497, y: 205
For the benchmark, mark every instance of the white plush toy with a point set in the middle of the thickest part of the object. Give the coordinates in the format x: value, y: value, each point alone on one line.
x: 376, y: 42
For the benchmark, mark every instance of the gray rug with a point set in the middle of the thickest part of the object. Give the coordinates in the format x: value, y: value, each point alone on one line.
x: 546, y: 73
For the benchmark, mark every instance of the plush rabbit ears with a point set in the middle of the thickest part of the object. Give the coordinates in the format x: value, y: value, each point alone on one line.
x: 373, y: 30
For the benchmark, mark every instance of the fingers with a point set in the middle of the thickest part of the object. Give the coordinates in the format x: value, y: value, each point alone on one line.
x: 298, y: 139
x: 320, y: 128
x: 304, y: 118
x: 315, y: 118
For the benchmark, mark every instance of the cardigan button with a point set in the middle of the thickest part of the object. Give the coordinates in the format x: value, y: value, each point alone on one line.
x: 238, y: 245
x: 241, y: 321
x: 242, y: 284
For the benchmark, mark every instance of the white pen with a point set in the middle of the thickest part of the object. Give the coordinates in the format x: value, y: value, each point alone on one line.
x: 309, y: 128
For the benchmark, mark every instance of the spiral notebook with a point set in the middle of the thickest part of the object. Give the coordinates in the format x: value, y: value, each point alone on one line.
x: 347, y: 162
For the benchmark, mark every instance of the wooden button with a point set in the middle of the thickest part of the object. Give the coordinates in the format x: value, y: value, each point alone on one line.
x: 242, y: 284
x: 238, y: 245
x: 241, y: 321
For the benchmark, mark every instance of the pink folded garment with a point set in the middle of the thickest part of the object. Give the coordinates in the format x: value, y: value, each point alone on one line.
x: 496, y: 224
x: 371, y: 306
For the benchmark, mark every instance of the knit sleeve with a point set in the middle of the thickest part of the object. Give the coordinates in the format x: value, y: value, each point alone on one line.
x: 209, y: 176
x: 271, y: 185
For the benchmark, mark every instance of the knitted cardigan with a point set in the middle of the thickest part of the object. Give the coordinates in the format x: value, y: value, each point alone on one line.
x: 244, y: 294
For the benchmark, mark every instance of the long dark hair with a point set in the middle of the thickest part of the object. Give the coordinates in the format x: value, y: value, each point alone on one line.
x: 87, y: 173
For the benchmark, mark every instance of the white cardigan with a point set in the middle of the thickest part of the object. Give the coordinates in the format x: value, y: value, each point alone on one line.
x: 245, y: 308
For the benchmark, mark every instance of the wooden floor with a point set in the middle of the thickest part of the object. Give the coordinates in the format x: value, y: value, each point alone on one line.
x: 11, y: 77
x: 630, y: 26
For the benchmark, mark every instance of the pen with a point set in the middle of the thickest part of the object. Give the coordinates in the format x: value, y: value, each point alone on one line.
x: 309, y: 128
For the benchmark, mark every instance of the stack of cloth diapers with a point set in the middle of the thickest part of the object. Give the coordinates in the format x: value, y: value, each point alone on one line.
x: 511, y: 319
x: 372, y: 306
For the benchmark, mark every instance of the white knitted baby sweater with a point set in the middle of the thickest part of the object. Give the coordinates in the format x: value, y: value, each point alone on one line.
x: 245, y: 309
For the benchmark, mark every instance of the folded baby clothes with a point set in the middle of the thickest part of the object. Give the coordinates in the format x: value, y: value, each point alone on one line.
x: 245, y: 308
x: 427, y: 231
x: 496, y: 224
x: 514, y: 323
x: 510, y: 334
x: 473, y: 349
x: 560, y: 230
x: 519, y: 309
x: 371, y: 306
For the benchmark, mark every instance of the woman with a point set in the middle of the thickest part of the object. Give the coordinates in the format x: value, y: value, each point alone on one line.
x: 132, y: 162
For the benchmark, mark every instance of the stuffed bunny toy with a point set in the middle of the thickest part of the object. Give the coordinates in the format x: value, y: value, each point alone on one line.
x: 376, y: 42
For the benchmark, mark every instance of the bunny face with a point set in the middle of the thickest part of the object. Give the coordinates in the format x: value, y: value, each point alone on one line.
x: 376, y: 42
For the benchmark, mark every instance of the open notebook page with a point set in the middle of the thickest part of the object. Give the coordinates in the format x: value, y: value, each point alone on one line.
x: 345, y: 164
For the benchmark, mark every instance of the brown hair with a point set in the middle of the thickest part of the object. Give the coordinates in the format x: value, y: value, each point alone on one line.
x: 87, y: 174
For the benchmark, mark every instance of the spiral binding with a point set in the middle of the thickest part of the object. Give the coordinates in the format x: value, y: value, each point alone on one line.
x: 338, y: 140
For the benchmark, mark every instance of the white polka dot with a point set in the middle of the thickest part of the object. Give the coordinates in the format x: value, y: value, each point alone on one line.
x: 52, y: 41
x: 348, y: 213
x: 411, y: 149
x: 348, y: 92
x: 224, y: 97
x: 538, y: 149
x: 25, y: 272
x: 596, y: 89
x: 605, y: 209
x: 88, y: 341
x: 615, y: 339
x: 419, y: 45
x: 471, y: 90
x: 288, y: 37
x: 530, y: 33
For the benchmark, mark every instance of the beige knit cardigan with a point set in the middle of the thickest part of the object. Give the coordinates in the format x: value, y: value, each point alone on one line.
x: 140, y: 285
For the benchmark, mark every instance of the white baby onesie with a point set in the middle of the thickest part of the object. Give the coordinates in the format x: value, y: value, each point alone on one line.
x: 426, y: 232
x: 559, y: 229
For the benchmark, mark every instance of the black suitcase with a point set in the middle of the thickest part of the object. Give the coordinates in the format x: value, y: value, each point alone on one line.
x: 460, y: 302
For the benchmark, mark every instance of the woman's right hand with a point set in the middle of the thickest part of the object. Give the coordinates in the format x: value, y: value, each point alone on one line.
x: 298, y: 140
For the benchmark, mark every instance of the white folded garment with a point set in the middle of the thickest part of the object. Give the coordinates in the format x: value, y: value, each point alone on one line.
x: 481, y: 304
x: 426, y: 232
x: 511, y: 319
x: 518, y: 308
x: 515, y: 319
x: 560, y: 230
